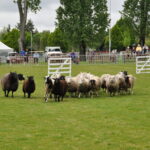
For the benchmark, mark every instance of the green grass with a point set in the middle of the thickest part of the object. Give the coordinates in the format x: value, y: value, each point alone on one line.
x: 103, y: 123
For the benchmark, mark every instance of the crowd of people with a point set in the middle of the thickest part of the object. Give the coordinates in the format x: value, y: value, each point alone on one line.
x: 138, y: 49
x: 26, y: 55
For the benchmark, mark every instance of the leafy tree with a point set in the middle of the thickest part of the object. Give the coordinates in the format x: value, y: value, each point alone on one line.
x: 23, y: 7
x: 10, y: 38
x: 138, y: 13
x: 56, y: 38
x: 122, y: 35
x: 29, y: 27
x: 44, y: 39
x: 40, y: 40
x: 117, y: 37
x: 83, y: 22
x: 36, y: 41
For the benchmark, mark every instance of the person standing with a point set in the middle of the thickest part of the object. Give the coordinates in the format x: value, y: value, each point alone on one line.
x: 36, y: 57
x: 145, y: 49
x: 22, y: 53
x: 138, y: 49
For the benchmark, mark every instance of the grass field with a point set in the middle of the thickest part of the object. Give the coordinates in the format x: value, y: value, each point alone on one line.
x: 103, y: 123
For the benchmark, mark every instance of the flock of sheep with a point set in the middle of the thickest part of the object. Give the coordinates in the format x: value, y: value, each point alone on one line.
x: 81, y: 85
x: 88, y: 85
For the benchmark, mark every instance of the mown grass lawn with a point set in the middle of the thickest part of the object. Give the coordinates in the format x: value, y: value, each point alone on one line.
x: 103, y: 123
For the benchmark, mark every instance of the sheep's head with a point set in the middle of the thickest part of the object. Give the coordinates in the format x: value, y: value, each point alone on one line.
x: 30, y: 78
x: 47, y: 79
x: 21, y: 77
x: 62, y: 77
x: 92, y: 82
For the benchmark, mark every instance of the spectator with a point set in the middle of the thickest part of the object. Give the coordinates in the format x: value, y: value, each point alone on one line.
x: 26, y: 56
x: 138, y: 49
x: 22, y: 53
x: 36, y: 57
x: 72, y: 56
x: 145, y: 49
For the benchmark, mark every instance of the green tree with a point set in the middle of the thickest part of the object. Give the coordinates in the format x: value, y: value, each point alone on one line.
x: 122, y: 35
x: 36, y: 41
x: 83, y: 22
x: 10, y: 38
x: 117, y: 37
x: 44, y: 39
x: 23, y: 7
x: 138, y: 14
x: 29, y: 27
x: 56, y: 38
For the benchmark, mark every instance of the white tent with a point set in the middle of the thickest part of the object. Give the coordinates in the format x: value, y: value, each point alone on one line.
x: 4, y: 49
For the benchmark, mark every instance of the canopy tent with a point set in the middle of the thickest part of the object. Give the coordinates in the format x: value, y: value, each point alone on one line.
x: 4, y: 49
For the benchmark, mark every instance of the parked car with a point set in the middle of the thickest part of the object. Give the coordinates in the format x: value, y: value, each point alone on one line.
x: 10, y: 56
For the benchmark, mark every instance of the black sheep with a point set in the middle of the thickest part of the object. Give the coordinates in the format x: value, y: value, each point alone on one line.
x: 59, y: 89
x: 10, y: 83
x: 28, y: 86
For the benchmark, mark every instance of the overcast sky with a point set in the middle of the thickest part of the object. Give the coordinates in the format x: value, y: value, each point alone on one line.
x: 46, y: 17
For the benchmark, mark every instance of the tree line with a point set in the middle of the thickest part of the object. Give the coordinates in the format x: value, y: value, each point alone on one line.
x: 81, y: 25
x: 39, y: 39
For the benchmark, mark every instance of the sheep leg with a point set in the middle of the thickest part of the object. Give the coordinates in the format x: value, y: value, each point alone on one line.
x: 58, y: 98
x: 12, y: 94
x: 62, y: 98
x: 50, y: 95
x: 131, y: 91
x: 46, y: 97
x: 79, y: 95
x: 7, y: 93
x: 29, y: 94
x: 91, y: 94
x: 24, y: 94
x: 55, y: 97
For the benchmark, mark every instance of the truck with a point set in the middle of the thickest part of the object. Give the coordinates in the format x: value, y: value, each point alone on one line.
x: 52, y: 51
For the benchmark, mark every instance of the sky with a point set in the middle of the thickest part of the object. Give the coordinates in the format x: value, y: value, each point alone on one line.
x: 46, y: 17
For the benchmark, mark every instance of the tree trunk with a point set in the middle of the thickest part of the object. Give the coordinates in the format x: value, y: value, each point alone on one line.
x: 143, y: 24
x: 82, y: 48
x: 82, y: 51
x: 22, y: 6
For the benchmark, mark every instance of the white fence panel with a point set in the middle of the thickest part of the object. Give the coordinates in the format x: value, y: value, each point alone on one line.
x: 142, y: 64
x: 59, y: 65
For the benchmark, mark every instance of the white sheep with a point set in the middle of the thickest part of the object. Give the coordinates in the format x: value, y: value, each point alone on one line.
x: 103, y: 79
x: 112, y: 85
x: 72, y: 85
x: 130, y: 83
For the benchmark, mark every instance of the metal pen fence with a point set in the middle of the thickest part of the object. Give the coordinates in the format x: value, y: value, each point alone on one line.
x: 107, y: 58
x: 77, y: 59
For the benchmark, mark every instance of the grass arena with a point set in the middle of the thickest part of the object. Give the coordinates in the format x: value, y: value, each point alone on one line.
x: 100, y: 123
